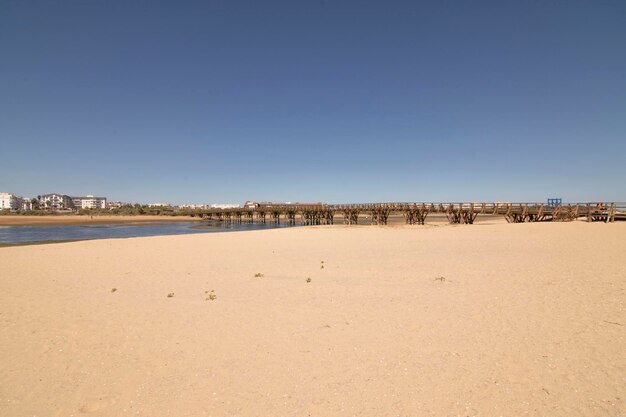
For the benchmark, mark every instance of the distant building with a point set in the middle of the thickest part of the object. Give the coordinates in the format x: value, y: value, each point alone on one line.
x: 55, y: 202
x: 26, y: 204
x: 269, y: 204
x: 159, y: 205
x: 225, y: 206
x: 9, y: 201
x: 194, y: 206
x: 89, y: 202
x: 117, y: 204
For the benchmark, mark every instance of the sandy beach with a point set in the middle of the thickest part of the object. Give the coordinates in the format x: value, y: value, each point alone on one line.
x: 73, y: 219
x: 438, y: 320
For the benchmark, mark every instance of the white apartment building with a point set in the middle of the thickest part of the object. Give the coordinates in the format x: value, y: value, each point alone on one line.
x: 194, y: 206
x: 55, y: 202
x: 225, y: 206
x: 89, y: 202
x: 26, y: 204
x: 9, y: 201
x: 116, y: 204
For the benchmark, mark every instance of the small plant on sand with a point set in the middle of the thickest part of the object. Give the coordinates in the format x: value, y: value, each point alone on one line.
x: 113, y: 289
x: 211, y: 296
x: 440, y: 279
x: 308, y: 279
x: 170, y: 295
x: 258, y: 275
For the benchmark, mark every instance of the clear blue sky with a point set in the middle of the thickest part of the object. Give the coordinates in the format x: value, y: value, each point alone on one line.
x: 337, y: 101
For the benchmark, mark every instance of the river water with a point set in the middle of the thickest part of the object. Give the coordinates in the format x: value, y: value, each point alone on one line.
x: 11, y: 235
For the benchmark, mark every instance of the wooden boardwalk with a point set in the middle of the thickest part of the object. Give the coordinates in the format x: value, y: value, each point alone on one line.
x: 416, y: 213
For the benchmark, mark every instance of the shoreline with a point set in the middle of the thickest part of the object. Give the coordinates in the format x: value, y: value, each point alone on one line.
x: 42, y: 242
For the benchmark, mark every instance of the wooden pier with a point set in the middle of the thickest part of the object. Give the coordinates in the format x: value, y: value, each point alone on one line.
x: 416, y: 213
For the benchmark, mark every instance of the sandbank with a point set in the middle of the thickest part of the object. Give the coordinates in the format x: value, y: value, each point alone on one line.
x: 80, y: 219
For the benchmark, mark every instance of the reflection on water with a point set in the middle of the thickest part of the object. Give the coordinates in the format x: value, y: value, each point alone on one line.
x: 31, y: 234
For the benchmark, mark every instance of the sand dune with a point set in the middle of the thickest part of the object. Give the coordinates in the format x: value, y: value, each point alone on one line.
x: 487, y: 320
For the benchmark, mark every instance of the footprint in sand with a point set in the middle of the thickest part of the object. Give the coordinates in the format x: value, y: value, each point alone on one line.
x: 98, y: 403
